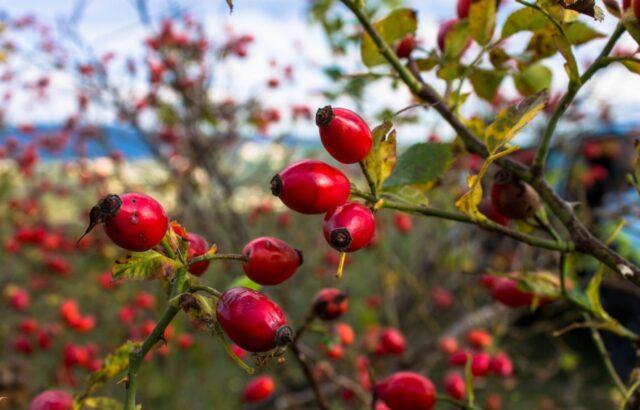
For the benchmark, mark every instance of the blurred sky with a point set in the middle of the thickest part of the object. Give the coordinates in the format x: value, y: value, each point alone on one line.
x: 283, y: 33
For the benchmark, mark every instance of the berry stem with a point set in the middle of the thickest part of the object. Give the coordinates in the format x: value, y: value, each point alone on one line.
x: 167, y: 248
x: 343, y: 258
x: 227, y: 256
x: 455, y: 403
x: 230, y: 352
x: 211, y: 291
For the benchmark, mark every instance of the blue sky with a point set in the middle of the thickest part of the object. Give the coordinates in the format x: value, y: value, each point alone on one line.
x: 113, y: 25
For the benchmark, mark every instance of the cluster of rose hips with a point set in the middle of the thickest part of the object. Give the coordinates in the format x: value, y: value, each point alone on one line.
x: 480, y: 345
x: 315, y: 187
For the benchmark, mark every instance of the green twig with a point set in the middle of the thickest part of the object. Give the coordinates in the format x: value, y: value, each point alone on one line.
x: 213, y: 256
x: 567, y: 99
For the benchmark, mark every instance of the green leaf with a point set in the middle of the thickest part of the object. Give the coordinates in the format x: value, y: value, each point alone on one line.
x: 580, y: 33
x: 526, y: 19
x: 245, y: 282
x: 456, y: 41
x: 412, y: 194
x: 381, y: 160
x: 533, y: 79
x: 632, y: 66
x: 631, y: 24
x: 450, y: 70
x: 511, y: 119
x: 427, y: 63
x: 114, y: 364
x: 593, y: 294
x: 542, y: 44
x: 482, y: 20
x: 420, y: 164
x: 144, y: 265
x: 392, y: 28
x: 486, y: 82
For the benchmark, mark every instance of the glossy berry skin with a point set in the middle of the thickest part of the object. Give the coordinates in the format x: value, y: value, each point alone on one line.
x: 344, y: 134
x: 506, y: 291
x: 330, y: 303
x: 454, y: 385
x: 52, y: 400
x: 513, y: 197
x: 259, y: 389
x: 133, y: 221
x: 390, y: 342
x: 311, y: 187
x: 197, y: 246
x: 480, y: 364
x: 349, y: 227
x: 406, y: 391
x: 253, y: 321
x: 271, y: 260
x: 406, y: 45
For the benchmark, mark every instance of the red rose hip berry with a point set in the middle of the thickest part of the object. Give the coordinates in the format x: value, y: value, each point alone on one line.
x: 454, y: 385
x: 390, y: 342
x: 197, y: 246
x: 52, y: 400
x: 349, y: 227
x: 253, y: 321
x: 330, y: 303
x: 406, y: 45
x: 406, y: 391
x: 135, y: 222
x: 259, y: 389
x: 311, y: 187
x: 344, y: 134
x: 270, y: 260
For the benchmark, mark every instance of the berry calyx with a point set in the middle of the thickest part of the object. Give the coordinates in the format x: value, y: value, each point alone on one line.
x: 259, y: 389
x: 406, y: 391
x: 270, y: 261
x: 133, y: 221
x: 252, y: 320
x: 344, y: 134
x: 311, y: 187
x: 52, y: 400
x: 197, y: 246
x: 330, y: 303
x: 349, y: 227
x: 513, y: 197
